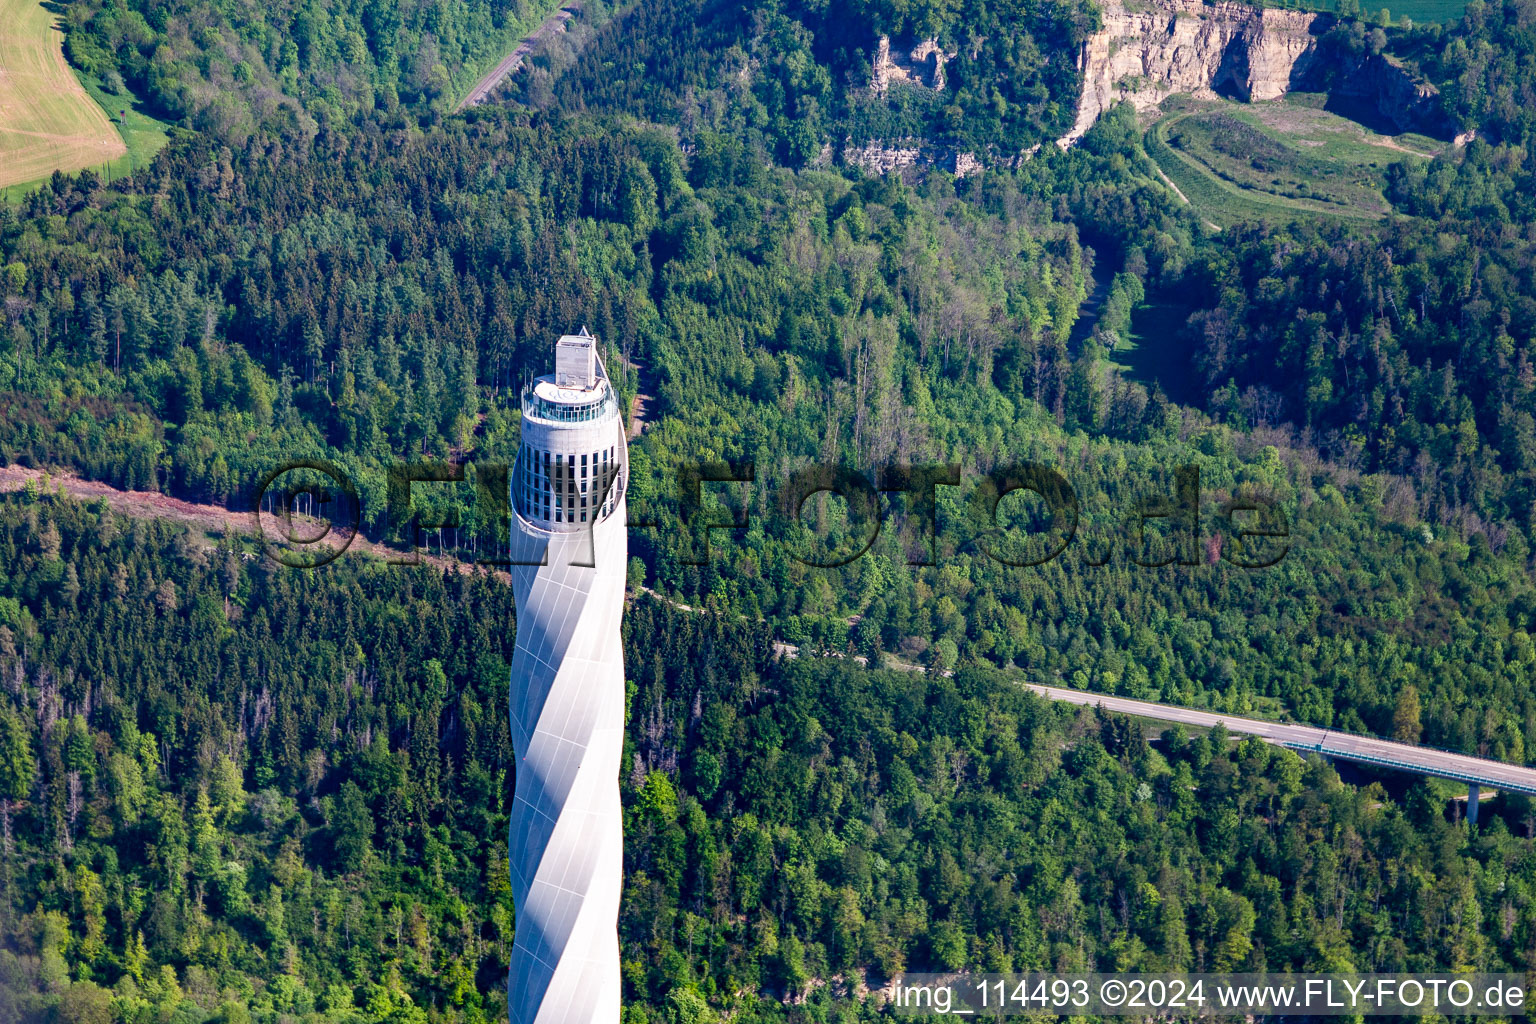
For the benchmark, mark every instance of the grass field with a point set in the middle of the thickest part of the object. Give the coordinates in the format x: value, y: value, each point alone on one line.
x: 144, y: 134
x: 1277, y: 161
x: 48, y: 121
x: 1421, y: 12
x: 1154, y: 352
x: 1216, y: 204
x: 140, y: 131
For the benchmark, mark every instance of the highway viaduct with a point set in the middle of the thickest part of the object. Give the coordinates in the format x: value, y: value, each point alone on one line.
x: 1476, y: 772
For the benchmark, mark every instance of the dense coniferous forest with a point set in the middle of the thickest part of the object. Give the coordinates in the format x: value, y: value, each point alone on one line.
x: 237, y: 792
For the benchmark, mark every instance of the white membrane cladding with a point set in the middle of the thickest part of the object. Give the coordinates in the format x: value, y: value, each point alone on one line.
x: 567, y: 711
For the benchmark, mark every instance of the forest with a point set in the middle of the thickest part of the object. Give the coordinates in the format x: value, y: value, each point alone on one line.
x: 231, y: 791
x: 217, y: 772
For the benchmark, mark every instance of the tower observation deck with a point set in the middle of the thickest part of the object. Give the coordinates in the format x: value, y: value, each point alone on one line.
x: 569, y: 553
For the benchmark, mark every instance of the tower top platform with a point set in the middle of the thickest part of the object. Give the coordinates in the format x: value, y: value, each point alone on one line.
x: 549, y: 389
x: 578, y: 390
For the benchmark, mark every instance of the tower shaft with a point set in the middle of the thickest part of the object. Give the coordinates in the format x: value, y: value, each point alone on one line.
x: 567, y: 697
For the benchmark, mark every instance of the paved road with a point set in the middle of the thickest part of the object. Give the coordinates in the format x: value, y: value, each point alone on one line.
x: 554, y: 23
x: 1343, y: 746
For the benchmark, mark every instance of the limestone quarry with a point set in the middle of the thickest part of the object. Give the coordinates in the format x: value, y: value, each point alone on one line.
x: 1148, y: 50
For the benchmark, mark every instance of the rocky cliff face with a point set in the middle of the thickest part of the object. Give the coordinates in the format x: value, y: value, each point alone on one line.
x: 1148, y: 51
x: 1387, y: 95
x: 923, y: 64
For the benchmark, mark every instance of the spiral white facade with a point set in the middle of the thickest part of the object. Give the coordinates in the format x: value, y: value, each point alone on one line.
x: 567, y: 698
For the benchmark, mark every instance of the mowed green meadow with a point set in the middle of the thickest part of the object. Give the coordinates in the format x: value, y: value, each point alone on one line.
x: 48, y: 121
x: 1277, y: 161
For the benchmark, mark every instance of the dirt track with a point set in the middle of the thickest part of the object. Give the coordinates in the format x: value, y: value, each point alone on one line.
x: 203, y: 518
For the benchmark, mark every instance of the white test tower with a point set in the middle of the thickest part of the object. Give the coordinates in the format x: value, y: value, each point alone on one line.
x: 567, y: 699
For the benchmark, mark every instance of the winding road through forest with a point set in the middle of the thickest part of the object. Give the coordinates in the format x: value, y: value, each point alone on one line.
x: 512, y: 61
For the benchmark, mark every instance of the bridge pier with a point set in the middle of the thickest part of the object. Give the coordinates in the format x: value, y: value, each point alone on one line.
x: 1473, y: 796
